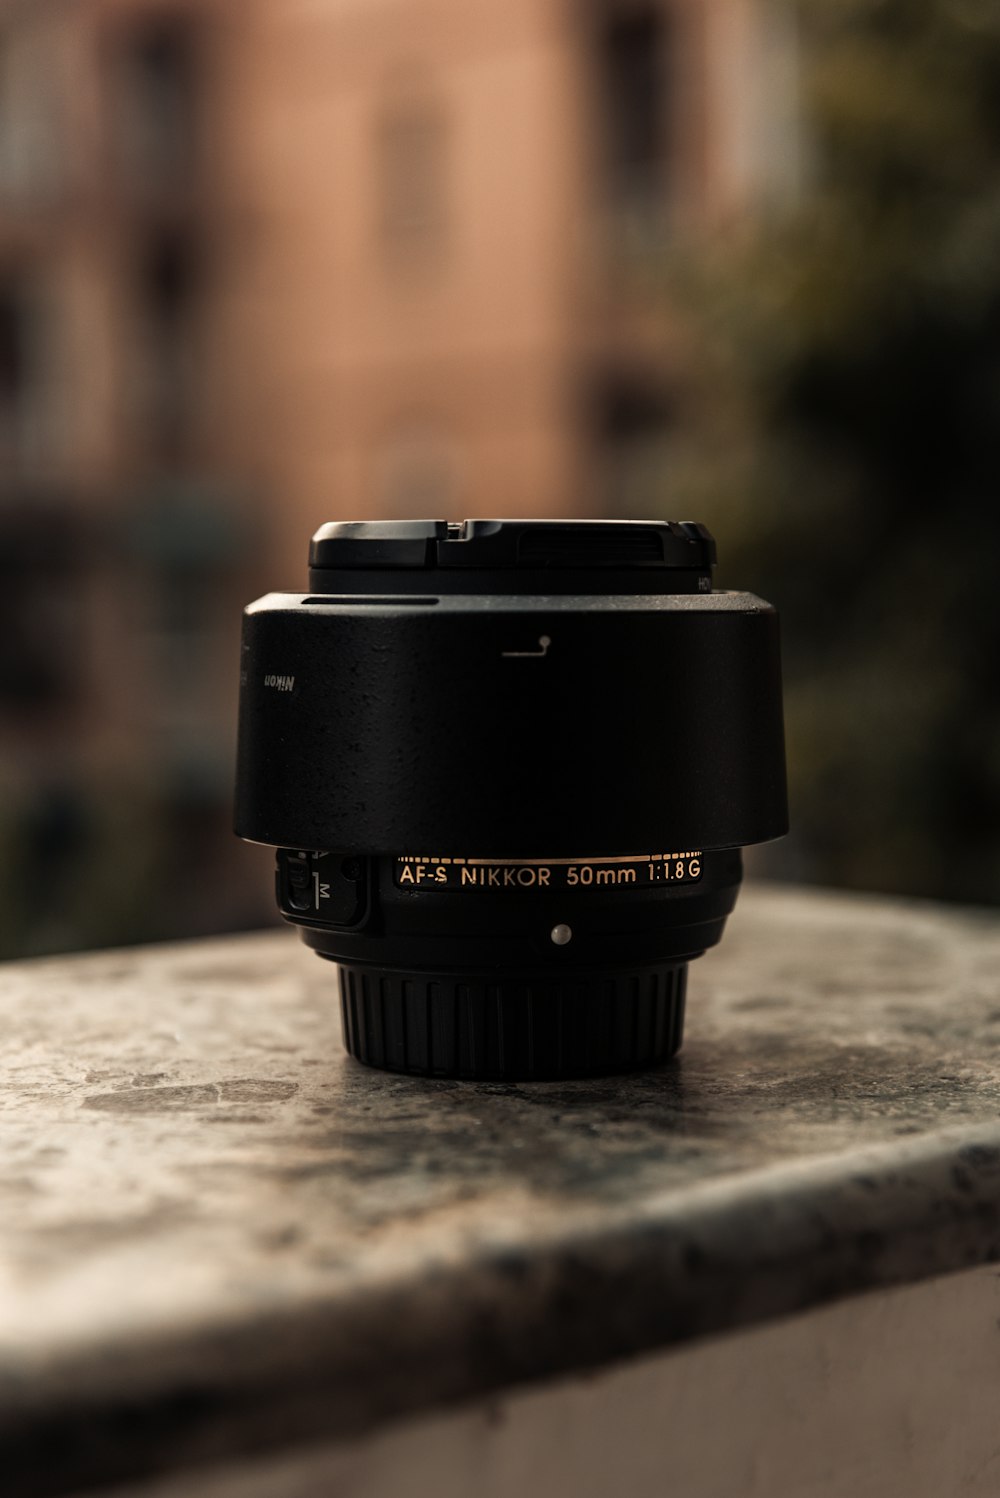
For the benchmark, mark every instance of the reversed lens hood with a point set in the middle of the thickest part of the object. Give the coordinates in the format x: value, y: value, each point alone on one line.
x: 462, y: 715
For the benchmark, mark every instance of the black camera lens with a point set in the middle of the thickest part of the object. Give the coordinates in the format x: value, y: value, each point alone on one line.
x: 509, y: 766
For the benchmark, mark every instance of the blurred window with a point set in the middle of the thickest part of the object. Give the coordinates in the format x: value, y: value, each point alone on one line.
x: 633, y: 425
x: 634, y: 57
x: 158, y: 129
x: 24, y: 424
x: 169, y: 292
x: 8, y: 119
x: 184, y: 538
x: 13, y: 358
x: 41, y: 600
x: 412, y: 183
x: 29, y: 135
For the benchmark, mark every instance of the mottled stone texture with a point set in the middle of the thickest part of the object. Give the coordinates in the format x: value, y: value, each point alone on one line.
x: 218, y: 1234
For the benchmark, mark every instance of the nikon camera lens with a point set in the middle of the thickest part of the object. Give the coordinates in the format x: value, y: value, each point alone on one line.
x: 508, y: 766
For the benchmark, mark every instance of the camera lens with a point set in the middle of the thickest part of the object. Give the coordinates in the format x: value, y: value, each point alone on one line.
x: 509, y: 766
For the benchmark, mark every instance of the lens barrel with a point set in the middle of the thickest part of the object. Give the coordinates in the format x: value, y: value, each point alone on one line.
x: 509, y: 767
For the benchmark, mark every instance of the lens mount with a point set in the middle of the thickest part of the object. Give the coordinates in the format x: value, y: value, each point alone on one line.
x: 513, y: 1029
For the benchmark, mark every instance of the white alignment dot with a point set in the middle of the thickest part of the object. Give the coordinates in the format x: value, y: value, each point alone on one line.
x: 561, y: 935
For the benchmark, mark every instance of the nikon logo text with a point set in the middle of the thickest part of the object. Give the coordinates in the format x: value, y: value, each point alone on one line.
x: 280, y: 683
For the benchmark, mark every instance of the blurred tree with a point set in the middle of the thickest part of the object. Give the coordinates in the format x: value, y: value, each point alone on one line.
x: 845, y: 441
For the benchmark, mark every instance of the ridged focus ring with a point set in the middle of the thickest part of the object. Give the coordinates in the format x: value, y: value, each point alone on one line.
x: 515, y: 1028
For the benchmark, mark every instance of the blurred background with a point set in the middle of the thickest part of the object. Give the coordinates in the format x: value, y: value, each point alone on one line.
x: 265, y: 263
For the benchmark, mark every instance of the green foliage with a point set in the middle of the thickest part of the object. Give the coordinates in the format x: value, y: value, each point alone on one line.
x: 846, y: 437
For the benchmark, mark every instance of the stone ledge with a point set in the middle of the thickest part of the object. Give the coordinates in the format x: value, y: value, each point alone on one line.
x: 218, y: 1234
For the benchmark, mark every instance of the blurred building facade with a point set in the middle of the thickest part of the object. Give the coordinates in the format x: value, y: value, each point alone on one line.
x: 460, y: 220
x: 269, y: 262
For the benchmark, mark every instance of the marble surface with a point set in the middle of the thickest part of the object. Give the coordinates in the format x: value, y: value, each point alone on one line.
x: 218, y: 1234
